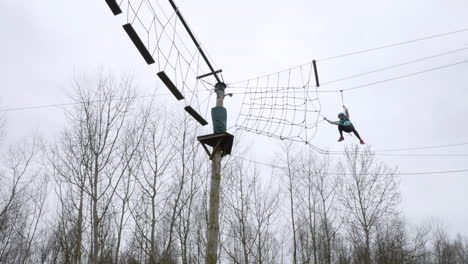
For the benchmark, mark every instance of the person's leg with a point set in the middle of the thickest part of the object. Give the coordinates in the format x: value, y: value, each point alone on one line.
x: 357, y: 134
x: 340, y: 129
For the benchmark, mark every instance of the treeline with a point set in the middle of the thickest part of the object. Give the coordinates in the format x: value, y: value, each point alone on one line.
x: 127, y: 182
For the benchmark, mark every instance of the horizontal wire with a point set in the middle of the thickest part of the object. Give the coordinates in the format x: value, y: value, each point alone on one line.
x: 338, y: 173
x: 426, y: 147
x: 74, y: 103
x: 325, y: 152
x: 393, y: 45
x: 282, y: 89
x: 378, y: 152
x: 71, y: 103
x: 395, y: 66
x: 416, y: 155
x: 357, y: 52
x: 381, y: 81
x: 404, y: 76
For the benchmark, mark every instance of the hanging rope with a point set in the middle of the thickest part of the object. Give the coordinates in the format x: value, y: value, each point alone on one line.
x: 342, y: 98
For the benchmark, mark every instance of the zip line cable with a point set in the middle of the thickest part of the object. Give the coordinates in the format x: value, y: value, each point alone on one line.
x: 373, y: 83
x: 394, y: 66
x: 378, y: 151
x: 426, y: 147
x: 408, y: 155
x: 394, y: 44
x: 362, y: 51
x: 338, y: 173
x: 405, y: 76
x: 71, y: 103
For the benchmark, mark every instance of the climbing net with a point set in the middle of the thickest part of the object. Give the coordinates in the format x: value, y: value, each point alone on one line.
x: 284, y: 105
x: 166, y: 43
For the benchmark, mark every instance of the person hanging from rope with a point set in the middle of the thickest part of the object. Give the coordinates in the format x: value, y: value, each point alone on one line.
x: 344, y: 124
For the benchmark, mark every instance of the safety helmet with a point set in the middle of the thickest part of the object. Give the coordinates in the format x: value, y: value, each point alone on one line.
x: 341, y: 114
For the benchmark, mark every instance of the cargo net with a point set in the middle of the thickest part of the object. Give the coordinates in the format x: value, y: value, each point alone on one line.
x: 284, y: 105
x: 162, y: 40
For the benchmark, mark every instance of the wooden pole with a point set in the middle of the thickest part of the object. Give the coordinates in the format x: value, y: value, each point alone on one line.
x: 213, y: 213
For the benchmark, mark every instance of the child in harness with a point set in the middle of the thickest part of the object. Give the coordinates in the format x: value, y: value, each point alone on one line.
x: 344, y: 124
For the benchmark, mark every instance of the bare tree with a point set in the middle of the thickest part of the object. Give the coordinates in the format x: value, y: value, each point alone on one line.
x: 369, y: 195
x: 22, y: 198
x: 239, y: 244
x: 252, y: 205
x: 196, y: 171
x: 169, y: 183
x: 291, y: 180
x: 395, y: 244
x: 445, y: 250
x: 319, y: 212
x: 156, y: 154
x: 460, y: 246
x: 90, y: 162
x: 134, y: 136
x: 308, y: 208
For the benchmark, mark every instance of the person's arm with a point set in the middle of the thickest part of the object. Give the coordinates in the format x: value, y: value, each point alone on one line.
x: 346, y: 111
x: 332, y: 122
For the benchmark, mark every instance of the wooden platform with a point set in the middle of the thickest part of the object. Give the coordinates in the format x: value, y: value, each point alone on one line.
x: 219, y: 140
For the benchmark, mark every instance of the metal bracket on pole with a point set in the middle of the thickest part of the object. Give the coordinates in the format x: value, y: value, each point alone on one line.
x: 208, y: 74
x: 219, y: 89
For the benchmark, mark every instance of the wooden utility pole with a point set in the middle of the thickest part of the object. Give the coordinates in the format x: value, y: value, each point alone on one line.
x: 220, y: 141
x: 213, y: 213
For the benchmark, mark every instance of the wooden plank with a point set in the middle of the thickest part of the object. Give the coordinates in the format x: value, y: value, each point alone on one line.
x: 138, y: 43
x: 196, y: 115
x: 170, y: 85
x: 115, y: 8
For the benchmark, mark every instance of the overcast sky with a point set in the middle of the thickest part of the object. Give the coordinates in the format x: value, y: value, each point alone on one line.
x: 44, y: 43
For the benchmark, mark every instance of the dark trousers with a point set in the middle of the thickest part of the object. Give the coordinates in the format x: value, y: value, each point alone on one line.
x: 348, y: 129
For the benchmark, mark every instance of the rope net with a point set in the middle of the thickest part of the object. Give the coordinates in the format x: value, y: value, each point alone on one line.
x: 157, y: 25
x: 284, y: 105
